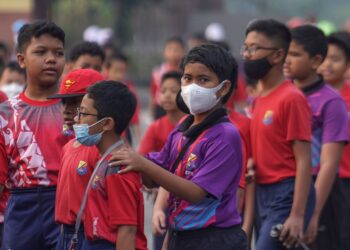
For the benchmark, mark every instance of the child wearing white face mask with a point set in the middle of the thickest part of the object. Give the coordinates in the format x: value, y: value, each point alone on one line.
x: 12, y: 79
x: 200, y: 164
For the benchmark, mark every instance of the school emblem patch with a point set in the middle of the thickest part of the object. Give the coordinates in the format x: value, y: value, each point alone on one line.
x: 95, y: 182
x: 190, y: 165
x: 268, y: 117
x: 82, y: 168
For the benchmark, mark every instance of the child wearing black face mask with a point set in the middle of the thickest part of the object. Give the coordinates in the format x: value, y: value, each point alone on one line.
x: 281, y: 133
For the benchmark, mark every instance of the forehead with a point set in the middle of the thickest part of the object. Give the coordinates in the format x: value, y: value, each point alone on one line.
x: 91, y: 59
x: 257, y: 38
x: 170, y: 82
x: 335, y: 50
x: 295, y: 46
x: 197, y: 69
x: 45, y: 40
x: 87, y: 103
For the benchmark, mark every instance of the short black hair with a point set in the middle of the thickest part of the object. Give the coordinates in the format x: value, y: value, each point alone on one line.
x: 172, y: 75
x: 175, y: 39
x: 117, y: 56
x: 14, y: 66
x: 86, y: 48
x: 37, y: 29
x: 341, y: 39
x: 113, y: 99
x: 218, y: 60
x: 273, y: 29
x: 312, y: 39
x: 3, y: 47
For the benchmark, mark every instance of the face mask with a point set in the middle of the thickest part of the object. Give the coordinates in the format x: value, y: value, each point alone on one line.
x: 257, y: 69
x: 82, y: 134
x: 199, y: 99
x: 12, y: 89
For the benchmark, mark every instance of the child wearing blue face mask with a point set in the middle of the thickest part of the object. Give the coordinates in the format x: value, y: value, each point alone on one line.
x: 200, y: 165
x: 113, y: 203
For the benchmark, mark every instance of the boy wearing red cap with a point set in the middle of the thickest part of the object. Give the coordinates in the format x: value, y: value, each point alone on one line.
x: 77, y: 161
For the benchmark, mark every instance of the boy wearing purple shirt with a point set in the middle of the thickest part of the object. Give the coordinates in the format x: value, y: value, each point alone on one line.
x: 329, y: 128
x: 200, y: 165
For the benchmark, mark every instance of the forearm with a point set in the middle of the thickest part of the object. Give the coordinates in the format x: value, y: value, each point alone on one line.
x: 330, y: 159
x: 249, y: 208
x: 173, y: 183
x: 302, y: 152
x: 161, y: 202
x: 126, y: 237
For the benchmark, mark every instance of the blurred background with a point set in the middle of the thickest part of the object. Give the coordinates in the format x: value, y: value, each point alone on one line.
x: 140, y: 27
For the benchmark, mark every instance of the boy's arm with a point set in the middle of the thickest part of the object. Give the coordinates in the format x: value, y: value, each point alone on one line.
x: 293, y: 226
x: 249, y: 208
x: 159, y: 216
x: 330, y: 158
x: 126, y: 237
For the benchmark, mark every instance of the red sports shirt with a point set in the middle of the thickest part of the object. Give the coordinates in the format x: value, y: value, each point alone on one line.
x: 278, y: 119
x: 156, y: 135
x: 243, y: 124
x: 31, y: 141
x: 345, y: 161
x: 113, y: 200
x: 77, y: 164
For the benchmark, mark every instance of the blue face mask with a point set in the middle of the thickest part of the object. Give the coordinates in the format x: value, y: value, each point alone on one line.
x: 82, y: 134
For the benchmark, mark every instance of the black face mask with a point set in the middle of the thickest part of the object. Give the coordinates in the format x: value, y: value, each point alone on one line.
x: 257, y: 69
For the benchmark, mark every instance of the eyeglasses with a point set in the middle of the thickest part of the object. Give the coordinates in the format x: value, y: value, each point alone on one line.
x: 79, y: 113
x: 252, y: 49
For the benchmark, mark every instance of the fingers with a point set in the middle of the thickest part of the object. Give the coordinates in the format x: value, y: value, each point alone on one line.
x: 126, y: 170
x: 159, y: 223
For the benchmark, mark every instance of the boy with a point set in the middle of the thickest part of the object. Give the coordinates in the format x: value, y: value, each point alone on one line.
x: 12, y: 79
x: 86, y: 55
x: 31, y: 140
x: 173, y: 52
x: 307, y: 51
x: 333, y: 70
x: 77, y: 160
x: 114, y: 208
x: 280, y: 145
x: 117, y: 70
x: 156, y: 136
x: 200, y: 164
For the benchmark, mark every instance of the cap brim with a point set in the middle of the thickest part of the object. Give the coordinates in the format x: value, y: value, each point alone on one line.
x: 58, y: 96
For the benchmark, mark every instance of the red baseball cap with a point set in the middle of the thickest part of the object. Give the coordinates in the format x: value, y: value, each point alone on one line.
x: 76, y: 82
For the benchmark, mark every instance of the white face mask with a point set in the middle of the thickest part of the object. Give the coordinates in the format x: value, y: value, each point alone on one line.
x: 199, y: 99
x: 12, y: 89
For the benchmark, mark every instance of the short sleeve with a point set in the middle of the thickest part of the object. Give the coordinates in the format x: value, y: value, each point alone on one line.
x: 147, y: 144
x: 335, y: 122
x: 222, y: 164
x: 123, y: 199
x: 296, y: 117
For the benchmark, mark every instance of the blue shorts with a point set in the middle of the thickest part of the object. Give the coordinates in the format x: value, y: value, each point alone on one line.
x: 29, y: 219
x: 66, y: 235
x: 274, y: 204
x: 99, y: 245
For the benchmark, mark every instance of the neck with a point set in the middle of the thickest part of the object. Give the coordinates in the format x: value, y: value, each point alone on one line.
x: 40, y: 93
x: 338, y: 85
x: 271, y: 80
x: 198, y: 118
x: 308, y: 81
x: 108, y: 139
x: 174, y: 116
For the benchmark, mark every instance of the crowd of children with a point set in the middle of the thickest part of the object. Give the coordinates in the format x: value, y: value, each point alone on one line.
x: 270, y: 164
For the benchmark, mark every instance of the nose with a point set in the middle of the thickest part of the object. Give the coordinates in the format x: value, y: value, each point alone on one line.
x: 51, y: 58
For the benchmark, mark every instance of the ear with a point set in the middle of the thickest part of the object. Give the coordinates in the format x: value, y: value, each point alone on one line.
x: 225, y: 89
x: 109, y: 124
x: 20, y: 60
x: 278, y: 56
x: 316, y: 61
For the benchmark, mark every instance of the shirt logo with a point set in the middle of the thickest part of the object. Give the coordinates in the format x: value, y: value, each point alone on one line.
x: 190, y: 165
x: 268, y: 117
x: 95, y: 182
x: 82, y: 168
x: 68, y: 84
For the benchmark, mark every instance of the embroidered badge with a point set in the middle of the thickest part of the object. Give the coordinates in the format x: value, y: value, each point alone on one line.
x: 68, y: 84
x: 82, y: 168
x: 268, y: 117
x: 190, y: 165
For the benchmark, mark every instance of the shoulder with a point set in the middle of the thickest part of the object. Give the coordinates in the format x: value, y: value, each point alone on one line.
x: 222, y: 133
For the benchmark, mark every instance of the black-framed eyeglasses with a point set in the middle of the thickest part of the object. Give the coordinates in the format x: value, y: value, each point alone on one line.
x: 252, y: 49
x: 79, y: 113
